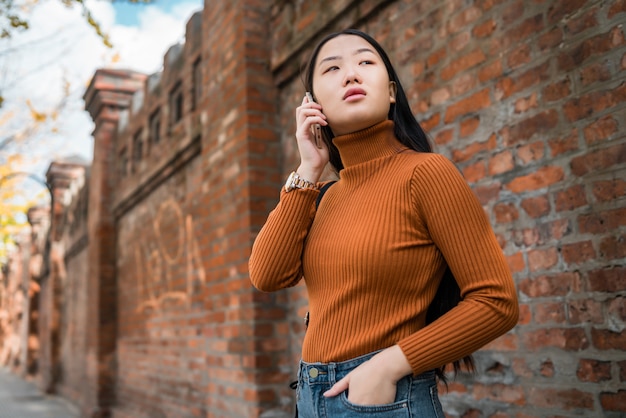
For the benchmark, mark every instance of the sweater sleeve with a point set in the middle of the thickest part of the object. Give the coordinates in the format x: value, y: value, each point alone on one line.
x: 460, y: 229
x: 276, y: 259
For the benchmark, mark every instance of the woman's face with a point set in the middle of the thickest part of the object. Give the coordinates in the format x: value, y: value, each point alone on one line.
x: 351, y: 83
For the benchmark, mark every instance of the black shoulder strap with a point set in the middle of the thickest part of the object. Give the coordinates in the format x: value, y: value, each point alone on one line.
x: 322, y: 191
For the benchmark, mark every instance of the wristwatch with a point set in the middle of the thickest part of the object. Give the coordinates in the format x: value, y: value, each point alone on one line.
x: 294, y: 181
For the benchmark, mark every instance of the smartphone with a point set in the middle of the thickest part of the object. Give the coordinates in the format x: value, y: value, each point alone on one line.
x: 317, y: 129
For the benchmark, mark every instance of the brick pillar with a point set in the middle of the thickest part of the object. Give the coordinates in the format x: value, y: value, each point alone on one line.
x: 242, y: 148
x: 59, y: 177
x: 39, y: 220
x: 108, y: 94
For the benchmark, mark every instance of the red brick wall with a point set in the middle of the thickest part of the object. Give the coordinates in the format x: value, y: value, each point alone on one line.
x: 527, y: 98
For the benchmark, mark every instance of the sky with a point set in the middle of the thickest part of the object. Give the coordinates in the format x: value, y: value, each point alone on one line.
x: 53, y: 62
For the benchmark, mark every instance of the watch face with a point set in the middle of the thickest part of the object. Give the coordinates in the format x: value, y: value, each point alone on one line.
x: 291, y: 180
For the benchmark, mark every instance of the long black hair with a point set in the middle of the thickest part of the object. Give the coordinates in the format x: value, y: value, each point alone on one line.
x: 409, y: 132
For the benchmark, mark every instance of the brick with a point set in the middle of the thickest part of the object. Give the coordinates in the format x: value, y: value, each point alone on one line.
x: 541, y: 178
x: 516, y: 262
x: 431, y: 123
x: 595, y: 73
x: 488, y: 193
x: 585, y: 311
x: 610, y: 279
x: 519, y: 56
x: 530, y: 153
x: 557, y: 91
x: 600, y: 130
x: 549, y: 313
x: 465, y: 154
x: 433, y: 59
x: 464, y: 83
x: 524, y: 130
x: 583, y: 22
x: 463, y: 63
x: 490, y: 71
x: 564, y: 145
x: 609, y: 190
x: 525, y: 314
x: 501, y: 163
x: 524, y: 104
x: 604, y: 339
x: 506, y: 342
x: 484, y: 29
x: 507, y: 86
x: 613, y: 248
x: 594, y: 102
x: 568, y: 399
x: 598, y: 160
x: 469, y: 126
x: 622, y: 370
x: 590, y: 370
x: 578, y: 252
x: 512, y: 11
x: 557, y: 229
x: 444, y: 137
x: 439, y: 96
x: 536, y: 207
x: 459, y: 41
x: 617, y: 309
x: 602, y: 222
x: 471, y: 104
x: 499, y: 392
x: 463, y: 19
x: 616, y: 8
x: 613, y: 401
x: 602, y: 43
x: 474, y: 172
x: 550, y: 39
x: 505, y: 212
x: 550, y: 285
x: 570, y: 199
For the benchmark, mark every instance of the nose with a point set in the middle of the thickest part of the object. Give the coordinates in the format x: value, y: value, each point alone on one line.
x: 351, y: 76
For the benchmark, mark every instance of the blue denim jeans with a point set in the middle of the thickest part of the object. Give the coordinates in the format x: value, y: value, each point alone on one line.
x: 416, y: 396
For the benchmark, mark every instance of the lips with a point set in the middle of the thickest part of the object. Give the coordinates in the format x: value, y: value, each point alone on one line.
x: 354, y: 92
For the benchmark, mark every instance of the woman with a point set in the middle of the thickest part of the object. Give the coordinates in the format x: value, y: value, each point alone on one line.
x: 374, y: 251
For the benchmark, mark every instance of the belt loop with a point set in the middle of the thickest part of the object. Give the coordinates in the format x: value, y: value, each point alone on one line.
x: 305, y: 374
x: 332, y: 373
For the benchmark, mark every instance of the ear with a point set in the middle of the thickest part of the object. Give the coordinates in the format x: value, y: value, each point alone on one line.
x: 393, y: 88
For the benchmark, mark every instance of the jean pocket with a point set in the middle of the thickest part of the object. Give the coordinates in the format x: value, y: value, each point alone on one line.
x: 398, y: 409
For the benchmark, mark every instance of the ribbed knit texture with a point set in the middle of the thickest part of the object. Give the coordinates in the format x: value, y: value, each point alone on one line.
x: 375, y: 250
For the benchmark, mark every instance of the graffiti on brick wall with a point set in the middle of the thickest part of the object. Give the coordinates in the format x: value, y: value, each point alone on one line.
x: 168, y: 267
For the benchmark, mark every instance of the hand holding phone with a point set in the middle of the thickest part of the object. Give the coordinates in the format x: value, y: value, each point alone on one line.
x: 317, y: 129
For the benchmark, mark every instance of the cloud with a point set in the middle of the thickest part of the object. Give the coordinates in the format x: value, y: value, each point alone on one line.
x: 61, y: 49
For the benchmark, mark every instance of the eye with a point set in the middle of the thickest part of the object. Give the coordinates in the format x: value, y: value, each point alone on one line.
x: 331, y: 68
x: 366, y: 62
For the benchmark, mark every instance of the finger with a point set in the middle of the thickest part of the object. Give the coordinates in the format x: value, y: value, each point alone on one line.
x: 340, y: 386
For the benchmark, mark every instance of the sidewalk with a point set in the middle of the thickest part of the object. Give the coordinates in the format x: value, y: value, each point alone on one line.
x: 21, y: 399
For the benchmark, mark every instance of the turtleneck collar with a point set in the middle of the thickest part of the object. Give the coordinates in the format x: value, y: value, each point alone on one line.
x: 371, y: 143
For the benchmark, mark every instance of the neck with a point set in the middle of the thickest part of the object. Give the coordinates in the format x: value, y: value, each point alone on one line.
x: 371, y: 143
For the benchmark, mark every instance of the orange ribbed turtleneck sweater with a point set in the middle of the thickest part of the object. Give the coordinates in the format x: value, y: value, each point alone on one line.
x: 373, y: 254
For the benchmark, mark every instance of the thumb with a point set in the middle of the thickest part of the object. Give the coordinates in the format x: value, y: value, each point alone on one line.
x: 338, y: 387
